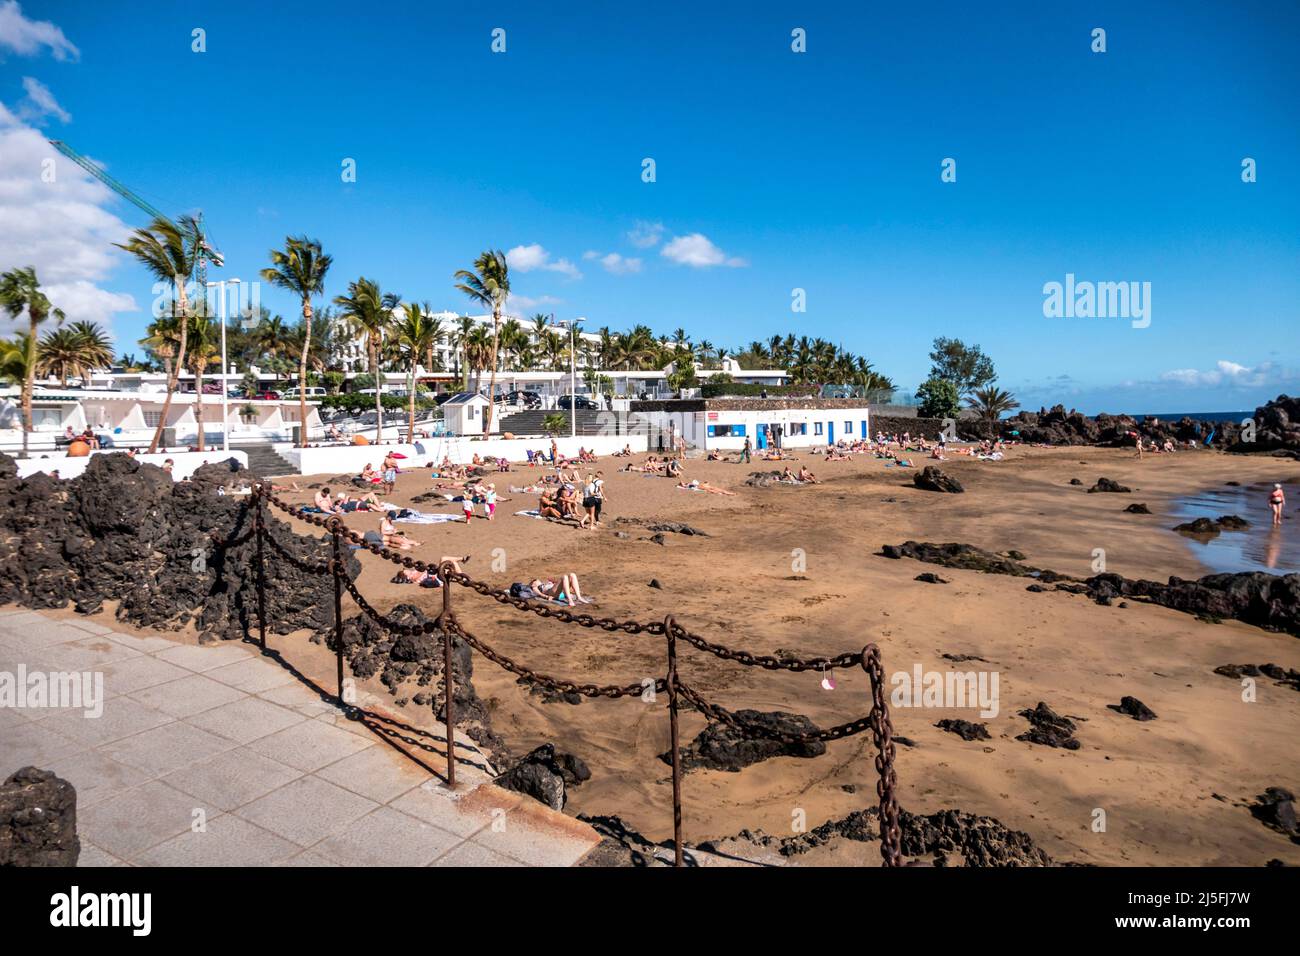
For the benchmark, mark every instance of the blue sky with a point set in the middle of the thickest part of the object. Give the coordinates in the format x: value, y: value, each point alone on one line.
x: 775, y: 170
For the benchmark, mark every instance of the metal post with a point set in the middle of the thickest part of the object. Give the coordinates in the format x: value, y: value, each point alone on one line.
x: 260, y: 529
x: 448, y: 679
x: 669, y: 631
x: 337, y: 568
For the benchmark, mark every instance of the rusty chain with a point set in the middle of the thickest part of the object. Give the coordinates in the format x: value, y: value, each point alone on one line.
x: 878, y: 720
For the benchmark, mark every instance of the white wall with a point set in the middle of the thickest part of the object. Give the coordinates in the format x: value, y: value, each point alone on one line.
x: 351, y: 458
x: 694, y: 426
x: 185, y: 463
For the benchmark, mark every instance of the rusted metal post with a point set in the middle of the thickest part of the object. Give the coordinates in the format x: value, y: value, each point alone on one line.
x: 669, y: 631
x: 448, y: 679
x: 337, y: 567
x: 260, y: 529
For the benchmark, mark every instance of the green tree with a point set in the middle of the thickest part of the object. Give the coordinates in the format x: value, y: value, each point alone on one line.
x: 370, y: 311
x: 990, y: 404
x: 966, y: 366
x: 414, y: 334
x: 168, y: 250
x: 300, y: 268
x: 554, y: 423
x: 938, y: 399
x: 21, y: 291
x: 489, y: 285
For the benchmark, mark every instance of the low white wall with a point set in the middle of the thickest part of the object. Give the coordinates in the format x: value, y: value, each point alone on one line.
x: 352, y: 458
x: 184, y: 463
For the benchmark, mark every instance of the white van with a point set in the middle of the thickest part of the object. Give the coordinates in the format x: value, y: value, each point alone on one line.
x: 310, y: 393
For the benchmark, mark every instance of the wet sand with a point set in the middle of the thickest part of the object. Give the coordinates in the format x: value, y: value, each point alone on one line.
x: 1174, y: 789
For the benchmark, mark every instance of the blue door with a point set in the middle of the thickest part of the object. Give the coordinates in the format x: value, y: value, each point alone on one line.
x: 830, y: 433
x: 761, y: 437
x: 864, y: 429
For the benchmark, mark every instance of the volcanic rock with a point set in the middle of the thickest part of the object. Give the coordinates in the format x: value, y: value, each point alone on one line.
x: 1134, y: 708
x: 720, y: 747
x: 929, y: 577
x: 38, y: 820
x: 931, y: 478
x: 1276, y: 809
x: 1137, y: 509
x: 965, y: 729
x: 1049, y: 728
x: 544, y: 774
x: 1284, y: 677
x: 1105, y: 484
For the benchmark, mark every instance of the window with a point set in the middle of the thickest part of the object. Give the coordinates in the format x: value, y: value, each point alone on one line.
x: 726, y: 431
x: 848, y: 428
x: 817, y: 428
x: 469, y: 411
x: 151, y: 419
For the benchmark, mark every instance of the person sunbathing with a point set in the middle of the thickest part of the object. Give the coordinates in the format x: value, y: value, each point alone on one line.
x: 806, y: 476
x: 568, y: 501
x: 394, y: 538
x: 368, y: 476
x: 547, y: 507
x: 346, y: 504
x: 696, y: 485
x: 563, y: 591
x: 324, y: 502
x: 430, y: 578
x: 673, y: 469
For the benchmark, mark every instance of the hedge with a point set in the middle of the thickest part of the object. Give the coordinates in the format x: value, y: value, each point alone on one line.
x: 755, y: 389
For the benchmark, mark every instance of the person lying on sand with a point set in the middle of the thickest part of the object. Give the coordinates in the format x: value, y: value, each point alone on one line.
x: 806, y: 476
x: 429, y: 579
x: 696, y: 485
x: 346, y: 504
x: 834, y: 454
x: 564, y: 591
x: 394, y: 538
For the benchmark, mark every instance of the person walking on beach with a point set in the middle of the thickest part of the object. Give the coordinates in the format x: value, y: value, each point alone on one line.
x: 1276, y: 501
x: 744, y: 452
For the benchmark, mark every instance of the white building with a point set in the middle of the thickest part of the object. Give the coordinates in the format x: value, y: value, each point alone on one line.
x: 463, y: 414
x: 725, y: 423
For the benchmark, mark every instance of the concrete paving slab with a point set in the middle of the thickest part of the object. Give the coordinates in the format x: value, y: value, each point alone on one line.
x: 136, y: 820
x: 226, y: 841
x: 138, y: 673
x: 379, y: 773
x: 252, y: 675
x: 232, y: 779
x: 307, y: 810
x: 310, y: 745
x: 246, y: 719
x: 387, y: 837
x: 187, y: 696
x: 204, y: 658
x: 96, y: 776
x: 163, y: 749
x: 464, y: 813
x: 122, y: 717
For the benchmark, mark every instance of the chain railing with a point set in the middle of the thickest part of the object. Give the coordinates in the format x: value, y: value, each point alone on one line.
x: 448, y: 625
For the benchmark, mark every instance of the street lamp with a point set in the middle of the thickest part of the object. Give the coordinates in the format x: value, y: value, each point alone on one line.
x: 573, y: 375
x: 225, y: 368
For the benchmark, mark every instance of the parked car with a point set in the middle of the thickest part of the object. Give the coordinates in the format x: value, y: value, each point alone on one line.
x: 580, y: 402
x: 266, y: 395
x: 523, y: 397
x: 310, y: 392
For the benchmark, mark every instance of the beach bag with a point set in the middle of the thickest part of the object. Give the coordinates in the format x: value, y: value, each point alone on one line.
x: 522, y: 591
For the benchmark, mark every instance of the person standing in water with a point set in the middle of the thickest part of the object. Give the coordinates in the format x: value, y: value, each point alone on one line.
x: 1276, y: 501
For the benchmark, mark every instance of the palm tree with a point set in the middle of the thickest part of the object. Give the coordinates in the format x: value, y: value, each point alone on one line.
x: 13, y: 359
x: 300, y: 268
x: 414, y: 335
x: 167, y: 250
x: 94, y: 346
x: 489, y: 285
x: 460, y: 339
x: 58, y: 354
x: 204, y: 346
x: 370, y: 312
x: 20, y: 290
x: 478, y: 353
x: 989, y: 403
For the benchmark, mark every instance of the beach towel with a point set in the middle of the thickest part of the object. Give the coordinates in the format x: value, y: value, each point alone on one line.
x: 531, y: 513
x: 426, y: 517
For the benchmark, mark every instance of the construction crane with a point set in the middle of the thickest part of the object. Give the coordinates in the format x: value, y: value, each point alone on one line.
x: 205, y: 250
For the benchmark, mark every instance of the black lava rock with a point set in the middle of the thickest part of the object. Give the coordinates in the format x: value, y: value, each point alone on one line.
x: 1134, y: 708
x: 931, y: 478
x: 38, y: 820
x: 1105, y: 484
x: 720, y: 747
x: 965, y: 729
x: 1049, y: 728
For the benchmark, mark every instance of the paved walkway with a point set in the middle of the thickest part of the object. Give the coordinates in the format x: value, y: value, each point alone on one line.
x: 217, y: 756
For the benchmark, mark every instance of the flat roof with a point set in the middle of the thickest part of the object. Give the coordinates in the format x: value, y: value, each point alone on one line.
x: 776, y: 403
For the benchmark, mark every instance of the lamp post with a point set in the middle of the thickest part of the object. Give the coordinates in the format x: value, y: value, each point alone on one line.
x: 572, y: 325
x: 225, y: 367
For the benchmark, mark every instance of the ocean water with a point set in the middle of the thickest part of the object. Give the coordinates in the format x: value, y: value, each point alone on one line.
x: 1200, y: 416
x: 1261, y: 547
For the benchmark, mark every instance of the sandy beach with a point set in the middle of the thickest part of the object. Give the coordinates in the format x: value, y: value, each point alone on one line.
x: 1175, y: 790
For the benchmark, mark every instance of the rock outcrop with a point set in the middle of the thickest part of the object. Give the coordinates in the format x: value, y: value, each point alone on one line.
x: 545, y: 774
x: 931, y: 478
x: 721, y: 747
x: 38, y: 820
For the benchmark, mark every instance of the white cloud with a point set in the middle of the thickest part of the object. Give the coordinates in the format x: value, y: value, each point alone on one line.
x: 28, y: 37
x: 614, y: 263
x: 646, y: 234
x: 63, y: 228
x: 698, y: 252
x: 529, y: 258
x: 1227, y: 373
x: 524, y: 302
x: 40, y: 102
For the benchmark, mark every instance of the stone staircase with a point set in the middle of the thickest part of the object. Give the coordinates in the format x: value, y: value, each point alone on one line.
x: 264, y: 461
x: 529, y: 423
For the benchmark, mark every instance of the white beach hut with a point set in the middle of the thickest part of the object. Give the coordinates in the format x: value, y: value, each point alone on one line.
x: 463, y: 413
